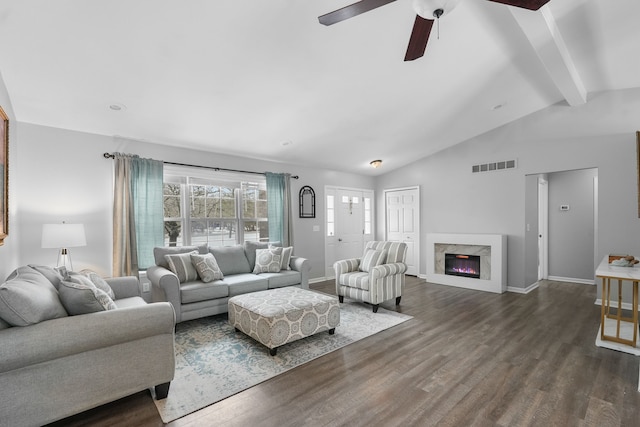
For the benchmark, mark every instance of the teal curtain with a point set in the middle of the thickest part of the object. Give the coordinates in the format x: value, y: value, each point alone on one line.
x: 138, y: 213
x: 147, y: 191
x: 279, y: 208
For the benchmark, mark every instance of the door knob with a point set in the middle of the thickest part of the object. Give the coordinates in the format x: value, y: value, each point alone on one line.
x: 339, y: 240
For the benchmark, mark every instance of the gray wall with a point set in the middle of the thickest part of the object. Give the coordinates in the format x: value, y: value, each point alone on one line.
x: 599, y: 134
x: 58, y: 174
x: 571, y: 233
x: 61, y: 175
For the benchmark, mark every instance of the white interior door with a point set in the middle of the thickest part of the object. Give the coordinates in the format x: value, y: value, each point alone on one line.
x: 403, y: 223
x: 349, y: 224
x: 543, y: 228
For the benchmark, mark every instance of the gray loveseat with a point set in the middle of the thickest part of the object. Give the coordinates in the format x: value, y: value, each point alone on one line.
x: 55, y: 368
x: 193, y: 299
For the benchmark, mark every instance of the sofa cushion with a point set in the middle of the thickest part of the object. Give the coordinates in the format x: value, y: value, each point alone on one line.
x: 181, y: 266
x: 268, y: 260
x: 396, y: 251
x: 130, y: 302
x: 372, y: 258
x: 231, y: 259
x: 283, y: 278
x: 160, y: 252
x: 207, y: 267
x: 28, y: 298
x: 80, y: 296
x: 200, y: 291
x: 355, y: 279
x: 245, y: 283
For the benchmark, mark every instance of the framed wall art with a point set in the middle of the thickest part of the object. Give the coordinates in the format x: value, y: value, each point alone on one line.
x: 4, y: 175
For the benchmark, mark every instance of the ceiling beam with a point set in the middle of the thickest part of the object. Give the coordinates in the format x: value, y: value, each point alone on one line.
x: 542, y: 31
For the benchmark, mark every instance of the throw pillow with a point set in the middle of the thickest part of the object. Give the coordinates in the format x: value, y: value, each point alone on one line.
x: 98, y: 282
x: 182, y: 267
x: 160, y: 252
x: 372, y: 258
x: 268, y: 260
x: 80, y: 296
x: 207, y: 267
x: 286, y: 257
x: 53, y: 274
x: 29, y: 298
x: 250, y: 249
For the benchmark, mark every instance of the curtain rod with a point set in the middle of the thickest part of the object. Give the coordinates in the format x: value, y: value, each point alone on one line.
x: 112, y: 156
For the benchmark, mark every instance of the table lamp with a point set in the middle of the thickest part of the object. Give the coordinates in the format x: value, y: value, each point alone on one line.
x: 63, y: 236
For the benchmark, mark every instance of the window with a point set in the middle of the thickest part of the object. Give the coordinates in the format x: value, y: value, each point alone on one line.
x: 367, y: 215
x: 331, y: 221
x: 222, y: 210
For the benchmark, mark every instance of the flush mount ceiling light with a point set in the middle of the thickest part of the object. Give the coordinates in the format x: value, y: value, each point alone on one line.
x: 430, y: 9
x: 376, y: 163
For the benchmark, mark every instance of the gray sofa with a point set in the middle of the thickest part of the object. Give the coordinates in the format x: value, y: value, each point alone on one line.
x: 55, y: 368
x: 194, y: 298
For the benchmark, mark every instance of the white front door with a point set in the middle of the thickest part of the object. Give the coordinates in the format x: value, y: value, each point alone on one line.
x: 403, y: 223
x: 349, y: 224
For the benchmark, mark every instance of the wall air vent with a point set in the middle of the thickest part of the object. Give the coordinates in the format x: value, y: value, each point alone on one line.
x: 494, y: 166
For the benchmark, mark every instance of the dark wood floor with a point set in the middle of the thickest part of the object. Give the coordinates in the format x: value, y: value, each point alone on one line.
x: 466, y: 359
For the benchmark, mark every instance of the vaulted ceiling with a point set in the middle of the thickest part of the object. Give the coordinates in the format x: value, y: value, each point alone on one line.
x: 263, y: 79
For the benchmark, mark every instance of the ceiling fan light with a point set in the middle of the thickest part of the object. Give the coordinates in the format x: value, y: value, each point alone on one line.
x: 426, y: 8
x: 376, y: 163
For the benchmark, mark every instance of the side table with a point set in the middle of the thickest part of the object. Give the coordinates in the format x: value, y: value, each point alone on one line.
x: 618, y: 332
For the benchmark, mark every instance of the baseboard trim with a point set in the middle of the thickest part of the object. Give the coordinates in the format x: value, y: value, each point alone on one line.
x: 320, y: 279
x: 526, y: 290
x: 614, y: 304
x: 571, y: 280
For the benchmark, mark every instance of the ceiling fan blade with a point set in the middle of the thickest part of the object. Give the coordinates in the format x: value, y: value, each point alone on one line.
x: 419, y: 38
x: 351, y: 11
x: 525, y: 4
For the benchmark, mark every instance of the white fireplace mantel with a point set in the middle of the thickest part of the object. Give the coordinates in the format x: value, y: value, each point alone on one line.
x: 497, y: 242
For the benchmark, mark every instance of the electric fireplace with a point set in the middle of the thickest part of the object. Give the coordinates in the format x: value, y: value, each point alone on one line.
x: 462, y: 265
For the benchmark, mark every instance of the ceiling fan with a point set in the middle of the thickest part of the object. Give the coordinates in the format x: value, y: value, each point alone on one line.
x: 426, y: 11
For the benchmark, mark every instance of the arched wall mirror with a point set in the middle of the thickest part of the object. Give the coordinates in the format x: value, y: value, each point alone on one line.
x: 307, y: 202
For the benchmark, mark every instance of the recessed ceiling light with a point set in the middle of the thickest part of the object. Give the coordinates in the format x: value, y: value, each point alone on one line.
x: 498, y: 106
x: 117, y: 107
x: 285, y: 143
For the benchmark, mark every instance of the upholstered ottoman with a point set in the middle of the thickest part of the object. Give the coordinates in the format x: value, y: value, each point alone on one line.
x: 279, y: 316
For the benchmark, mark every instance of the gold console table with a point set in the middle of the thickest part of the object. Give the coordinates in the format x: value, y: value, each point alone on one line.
x: 618, y: 332
x: 631, y: 275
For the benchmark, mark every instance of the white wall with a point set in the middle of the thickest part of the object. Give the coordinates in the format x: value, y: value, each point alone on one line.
x: 62, y: 175
x: 598, y: 134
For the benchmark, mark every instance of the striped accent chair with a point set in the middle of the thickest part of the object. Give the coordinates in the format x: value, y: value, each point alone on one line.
x: 376, y: 277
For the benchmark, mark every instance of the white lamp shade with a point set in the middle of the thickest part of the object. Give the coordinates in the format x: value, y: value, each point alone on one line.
x: 63, y: 235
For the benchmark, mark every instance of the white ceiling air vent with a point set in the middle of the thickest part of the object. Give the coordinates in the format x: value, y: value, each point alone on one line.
x: 494, y: 166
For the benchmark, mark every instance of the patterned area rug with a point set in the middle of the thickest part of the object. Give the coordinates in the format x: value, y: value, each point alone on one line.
x: 214, y: 362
